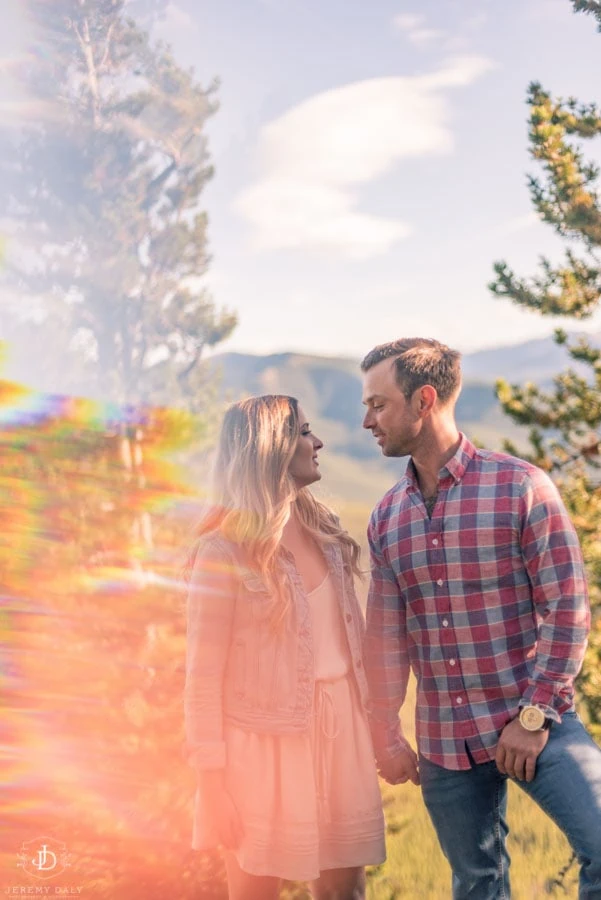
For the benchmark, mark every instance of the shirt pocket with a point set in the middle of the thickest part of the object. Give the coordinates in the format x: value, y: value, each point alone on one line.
x: 489, y: 566
x: 259, y: 600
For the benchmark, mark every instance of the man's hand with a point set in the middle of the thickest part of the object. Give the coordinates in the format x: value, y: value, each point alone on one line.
x: 400, y: 768
x: 518, y: 750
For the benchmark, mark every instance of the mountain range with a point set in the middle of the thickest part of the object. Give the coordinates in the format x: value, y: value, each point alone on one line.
x: 329, y: 389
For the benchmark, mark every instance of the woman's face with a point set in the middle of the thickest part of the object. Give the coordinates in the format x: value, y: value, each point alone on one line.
x: 304, y: 467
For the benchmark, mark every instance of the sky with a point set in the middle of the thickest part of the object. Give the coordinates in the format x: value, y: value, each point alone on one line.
x: 371, y: 160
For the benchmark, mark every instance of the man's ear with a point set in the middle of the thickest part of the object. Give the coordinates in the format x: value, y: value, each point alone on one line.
x: 426, y: 399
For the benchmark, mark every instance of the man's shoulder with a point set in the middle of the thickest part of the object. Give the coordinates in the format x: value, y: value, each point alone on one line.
x: 496, y: 460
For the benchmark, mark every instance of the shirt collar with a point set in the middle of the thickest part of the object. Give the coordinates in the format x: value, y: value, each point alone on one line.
x: 454, y: 468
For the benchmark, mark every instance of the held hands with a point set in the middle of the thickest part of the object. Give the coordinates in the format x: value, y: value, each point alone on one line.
x: 518, y: 750
x: 221, y: 809
x: 400, y: 768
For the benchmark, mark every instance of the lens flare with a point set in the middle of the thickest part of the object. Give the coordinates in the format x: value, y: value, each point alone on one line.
x: 95, y: 517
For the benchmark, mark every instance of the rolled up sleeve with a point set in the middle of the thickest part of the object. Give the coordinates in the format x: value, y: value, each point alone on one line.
x: 555, y: 567
x: 210, y: 614
x: 385, y: 652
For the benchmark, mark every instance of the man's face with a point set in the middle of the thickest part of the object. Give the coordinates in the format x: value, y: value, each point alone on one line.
x: 390, y: 417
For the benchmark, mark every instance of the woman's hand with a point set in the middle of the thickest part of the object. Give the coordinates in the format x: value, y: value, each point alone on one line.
x: 222, y: 809
x: 401, y: 768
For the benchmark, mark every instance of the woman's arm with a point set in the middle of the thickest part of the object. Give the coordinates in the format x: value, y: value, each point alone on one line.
x: 210, y: 614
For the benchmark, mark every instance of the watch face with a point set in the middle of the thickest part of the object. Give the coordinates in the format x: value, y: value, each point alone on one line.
x: 532, y: 718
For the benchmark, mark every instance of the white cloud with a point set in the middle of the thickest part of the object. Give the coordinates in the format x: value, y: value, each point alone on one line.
x: 415, y: 29
x: 467, y: 32
x: 422, y: 36
x: 407, y: 21
x: 173, y: 22
x: 314, y: 157
x: 179, y: 17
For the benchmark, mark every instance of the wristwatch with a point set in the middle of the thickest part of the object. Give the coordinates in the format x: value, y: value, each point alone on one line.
x: 532, y: 718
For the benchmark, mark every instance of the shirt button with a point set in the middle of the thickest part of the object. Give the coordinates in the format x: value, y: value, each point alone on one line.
x: 439, y: 582
x: 445, y: 622
x: 435, y: 541
x: 359, y: 664
x: 451, y: 662
x: 349, y: 618
x: 459, y: 700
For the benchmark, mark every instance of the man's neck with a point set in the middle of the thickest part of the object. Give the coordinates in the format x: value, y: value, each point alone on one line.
x: 433, y: 456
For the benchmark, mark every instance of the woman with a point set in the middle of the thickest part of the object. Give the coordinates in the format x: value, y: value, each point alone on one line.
x: 275, y: 689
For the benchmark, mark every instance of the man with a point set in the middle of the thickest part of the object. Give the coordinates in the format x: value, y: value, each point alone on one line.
x: 478, y: 586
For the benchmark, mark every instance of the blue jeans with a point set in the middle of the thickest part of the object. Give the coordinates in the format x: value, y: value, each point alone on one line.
x: 468, y: 810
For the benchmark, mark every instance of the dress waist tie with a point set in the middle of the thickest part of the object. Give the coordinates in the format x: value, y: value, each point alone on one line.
x: 326, y: 730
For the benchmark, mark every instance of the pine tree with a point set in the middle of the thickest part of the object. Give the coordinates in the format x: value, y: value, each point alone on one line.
x: 107, y: 232
x: 103, y: 188
x: 565, y: 422
x: 588, y: 6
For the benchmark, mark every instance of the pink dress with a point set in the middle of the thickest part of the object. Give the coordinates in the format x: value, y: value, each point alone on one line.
x: 308, y: 802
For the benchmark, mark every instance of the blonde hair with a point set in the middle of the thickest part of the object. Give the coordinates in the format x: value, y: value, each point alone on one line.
x: 254, y: 493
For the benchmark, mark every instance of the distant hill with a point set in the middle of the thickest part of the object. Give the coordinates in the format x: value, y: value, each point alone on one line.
x: 329, y: 389
x: 537, y: 361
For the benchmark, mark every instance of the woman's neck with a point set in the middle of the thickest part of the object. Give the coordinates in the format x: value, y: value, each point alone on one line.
x: 293, y: 530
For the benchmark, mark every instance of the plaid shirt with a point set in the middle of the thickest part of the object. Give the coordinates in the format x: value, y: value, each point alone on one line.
x: 486, y: 602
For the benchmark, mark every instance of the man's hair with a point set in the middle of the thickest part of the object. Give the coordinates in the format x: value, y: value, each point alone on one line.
x: 420, y: 361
